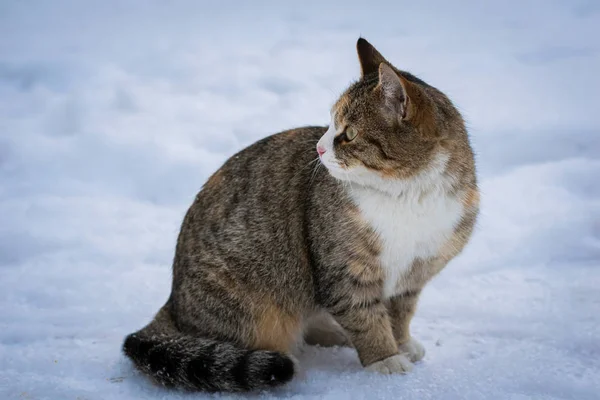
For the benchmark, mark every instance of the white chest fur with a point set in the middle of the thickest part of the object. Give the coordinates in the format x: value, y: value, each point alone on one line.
x: 409, y: 227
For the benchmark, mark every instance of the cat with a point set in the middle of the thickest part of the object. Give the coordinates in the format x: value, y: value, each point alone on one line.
x: 275, y: 250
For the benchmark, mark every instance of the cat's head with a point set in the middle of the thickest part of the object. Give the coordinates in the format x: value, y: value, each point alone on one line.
x: 389, y: 127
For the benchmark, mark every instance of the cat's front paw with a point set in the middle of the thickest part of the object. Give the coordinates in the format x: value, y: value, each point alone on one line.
x: 413, y: 350
x: 396, y: 364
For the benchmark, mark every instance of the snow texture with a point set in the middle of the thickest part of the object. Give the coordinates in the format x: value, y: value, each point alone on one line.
x: 113, y: 114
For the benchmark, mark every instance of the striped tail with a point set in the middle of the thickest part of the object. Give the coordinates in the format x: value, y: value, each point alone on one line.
x: 177, y: 360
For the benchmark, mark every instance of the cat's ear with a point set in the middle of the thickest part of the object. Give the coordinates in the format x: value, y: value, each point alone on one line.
x: 394, y: 92
x: 368, y: 56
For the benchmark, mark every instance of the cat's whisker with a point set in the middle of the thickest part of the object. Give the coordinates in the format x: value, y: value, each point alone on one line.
x: 304, y: 167
x: 348, y: 179
x: 314, y: 172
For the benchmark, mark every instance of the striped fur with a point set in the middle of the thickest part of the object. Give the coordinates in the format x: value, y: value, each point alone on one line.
x: 174, y: 359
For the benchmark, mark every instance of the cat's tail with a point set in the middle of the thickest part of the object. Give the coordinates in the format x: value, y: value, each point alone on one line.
x: 187, y: 362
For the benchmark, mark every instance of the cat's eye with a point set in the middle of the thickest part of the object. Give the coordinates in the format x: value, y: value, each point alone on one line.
x: 351, y: 133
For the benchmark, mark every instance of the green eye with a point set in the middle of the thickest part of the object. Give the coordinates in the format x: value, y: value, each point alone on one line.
x: 351, y: 133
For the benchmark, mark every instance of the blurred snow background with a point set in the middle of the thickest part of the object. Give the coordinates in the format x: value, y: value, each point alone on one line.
x: 113, y: 113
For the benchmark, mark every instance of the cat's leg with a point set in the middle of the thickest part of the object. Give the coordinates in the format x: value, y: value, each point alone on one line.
x: 368, y: 325
x: 401, y: 309
x: 321, y: 329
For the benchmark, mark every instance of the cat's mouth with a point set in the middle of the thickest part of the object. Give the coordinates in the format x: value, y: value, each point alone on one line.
x: 335, y: 167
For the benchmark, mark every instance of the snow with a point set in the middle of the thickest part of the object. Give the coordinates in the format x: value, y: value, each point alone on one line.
x: 112, y: 115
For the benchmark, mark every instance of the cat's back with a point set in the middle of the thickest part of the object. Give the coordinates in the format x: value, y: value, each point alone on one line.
x: 270, y: 169
x: 253, y: 206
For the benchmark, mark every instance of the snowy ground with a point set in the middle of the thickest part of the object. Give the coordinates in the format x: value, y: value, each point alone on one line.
x: 112, y: 115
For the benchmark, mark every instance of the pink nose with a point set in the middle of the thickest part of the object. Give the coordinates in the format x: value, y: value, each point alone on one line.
x: 320, y: 150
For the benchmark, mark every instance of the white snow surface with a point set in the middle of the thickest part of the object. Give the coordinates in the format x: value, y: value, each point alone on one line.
x: 114, y: 113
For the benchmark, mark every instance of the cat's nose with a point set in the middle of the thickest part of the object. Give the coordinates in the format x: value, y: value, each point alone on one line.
x: 320, y: 150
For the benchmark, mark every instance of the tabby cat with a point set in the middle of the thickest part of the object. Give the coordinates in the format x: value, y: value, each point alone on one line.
x: 274, y: 251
